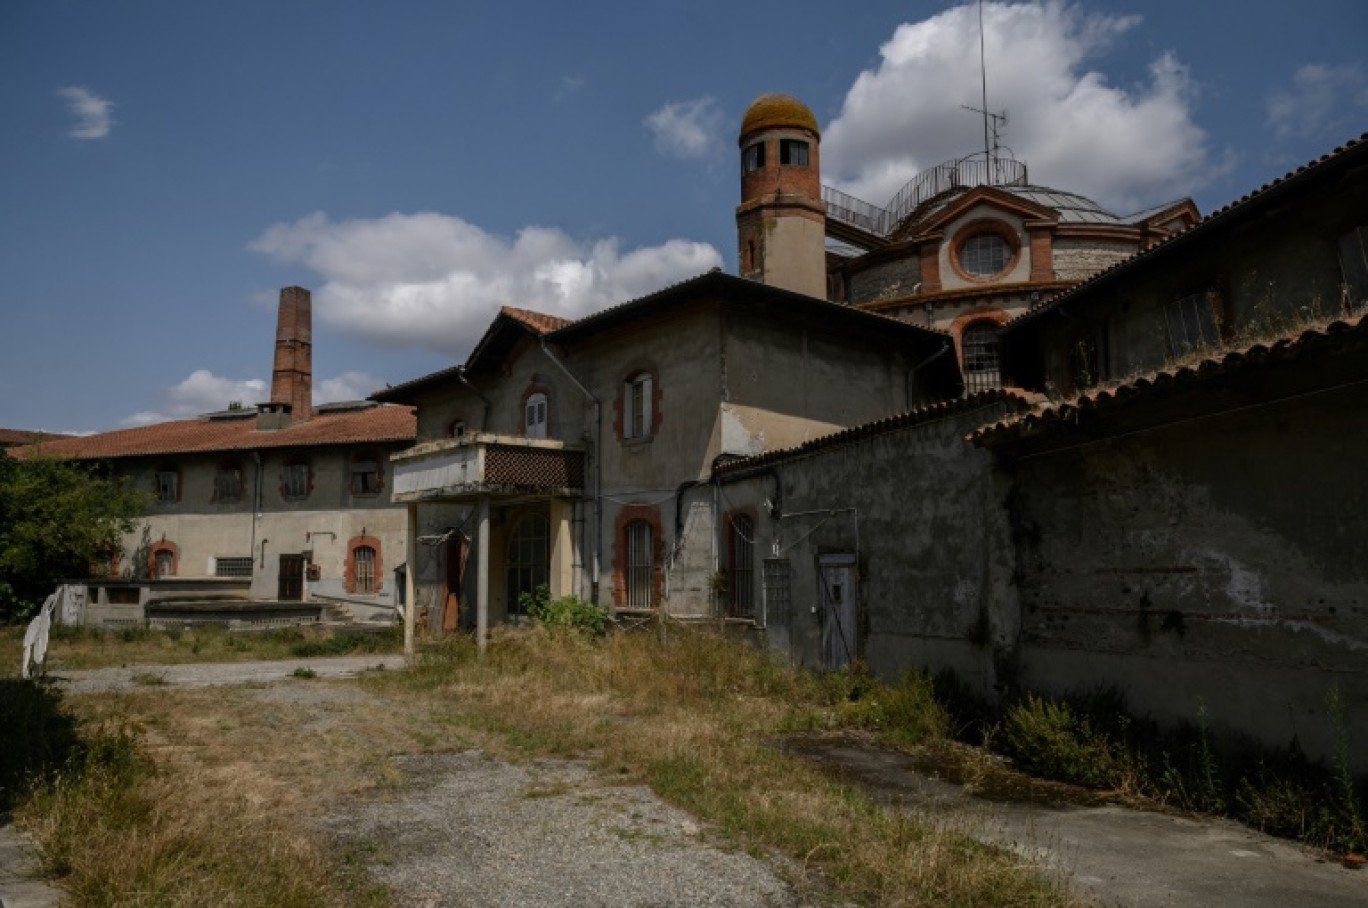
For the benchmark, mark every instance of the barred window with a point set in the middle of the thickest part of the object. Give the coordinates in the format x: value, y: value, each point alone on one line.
x: 363, y: 569
x: 1191, y: 324
x: 640, y: 564
x: 233, y: 566
x: 741, y: 560
x: 980, y: 345
x: 984, y: 254
x: 164, y: 564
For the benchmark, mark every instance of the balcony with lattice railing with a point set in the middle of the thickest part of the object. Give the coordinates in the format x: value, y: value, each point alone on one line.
x: 483, y: 464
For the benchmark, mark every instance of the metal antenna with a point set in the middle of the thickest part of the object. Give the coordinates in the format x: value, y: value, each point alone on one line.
x: 990, y: 120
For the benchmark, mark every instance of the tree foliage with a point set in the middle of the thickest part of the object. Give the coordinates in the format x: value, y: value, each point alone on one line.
x: 56, y: 516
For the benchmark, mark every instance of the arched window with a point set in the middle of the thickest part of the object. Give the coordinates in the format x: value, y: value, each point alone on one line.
x: 164, y: 564
x: 640, y: 564
x: 741, y: 567
x: 980, y: 345
x: 528, y: 559
x: 457, y: 429
x: 534, y: 415
x: 363, y: 569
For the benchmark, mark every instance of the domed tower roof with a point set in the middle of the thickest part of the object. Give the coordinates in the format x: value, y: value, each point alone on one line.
x: 777, y: 110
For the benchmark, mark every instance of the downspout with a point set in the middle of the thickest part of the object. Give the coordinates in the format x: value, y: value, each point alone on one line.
x: 594, y: 452
x: 256, y: 501
x: 484, y: 421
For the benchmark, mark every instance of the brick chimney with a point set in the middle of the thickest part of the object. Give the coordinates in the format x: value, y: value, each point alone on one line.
x: 292, y: 378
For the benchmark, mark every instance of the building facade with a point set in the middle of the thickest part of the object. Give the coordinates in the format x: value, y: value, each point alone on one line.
x: 262, y: 513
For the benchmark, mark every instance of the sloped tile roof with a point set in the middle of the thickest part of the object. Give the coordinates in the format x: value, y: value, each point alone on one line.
x: 1012, y: 396
x: 1048, y: 416
x: 539, y: 322
x: 187, y: 436
x: 25, y: 437
x: 1352, y: 149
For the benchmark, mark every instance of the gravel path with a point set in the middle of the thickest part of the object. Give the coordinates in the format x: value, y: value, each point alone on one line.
x: 131, y: 677
x: 473, y: 831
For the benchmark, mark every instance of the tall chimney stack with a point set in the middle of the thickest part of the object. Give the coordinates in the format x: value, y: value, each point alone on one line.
x: 292, y: 378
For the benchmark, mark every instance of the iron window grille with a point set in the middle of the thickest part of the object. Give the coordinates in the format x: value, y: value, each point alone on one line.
x: 1191, y: 324
x: 778, y: 586
x: 528, y: 560
x: 741, y: 583
x: 363, y: 569
x: 640, y: 565
x: 164, y: 564
x: 233, y: 566
x: 981, y: 367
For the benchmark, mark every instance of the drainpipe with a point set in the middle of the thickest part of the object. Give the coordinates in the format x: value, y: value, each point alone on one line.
x: 484, y: 421
x: 256, y: 503
x: 594, y: 452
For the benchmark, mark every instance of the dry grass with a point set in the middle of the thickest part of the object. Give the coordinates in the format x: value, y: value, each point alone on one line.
x: 228, y: 813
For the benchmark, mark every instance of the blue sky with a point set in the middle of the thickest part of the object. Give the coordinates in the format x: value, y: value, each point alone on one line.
x: 169, y: 166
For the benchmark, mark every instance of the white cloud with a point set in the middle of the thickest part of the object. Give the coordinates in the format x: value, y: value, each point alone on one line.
x: 93, y: 113
x: 687, y: 129
x: 434, y: 281
x: 568, y: 85
x: 1125, y: 147
x: 347, y: 386
x: 1322, y: 99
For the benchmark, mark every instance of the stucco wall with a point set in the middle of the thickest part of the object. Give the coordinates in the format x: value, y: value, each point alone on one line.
x: 1217, y: 564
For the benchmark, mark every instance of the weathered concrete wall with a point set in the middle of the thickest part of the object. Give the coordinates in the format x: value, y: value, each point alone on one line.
x: 928, y: 521
x: 1219, y: 564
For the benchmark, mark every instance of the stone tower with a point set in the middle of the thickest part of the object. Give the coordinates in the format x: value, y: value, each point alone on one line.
x: 781, y: 221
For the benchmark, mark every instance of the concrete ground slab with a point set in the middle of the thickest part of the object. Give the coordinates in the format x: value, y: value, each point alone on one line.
x: 131, y: 677
x: 1116, y: 855
x: 21, y: 886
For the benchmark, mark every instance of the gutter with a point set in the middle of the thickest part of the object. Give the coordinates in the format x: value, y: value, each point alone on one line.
x: 594, y: 452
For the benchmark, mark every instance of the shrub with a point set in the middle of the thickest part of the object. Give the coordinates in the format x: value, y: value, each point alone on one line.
x: 568, y: 612
x: 1051, y: 738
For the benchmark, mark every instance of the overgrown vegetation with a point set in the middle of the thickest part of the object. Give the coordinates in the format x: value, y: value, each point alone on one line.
x: 1091, y: 739
x: 569, y: 613
x: 56, y: 518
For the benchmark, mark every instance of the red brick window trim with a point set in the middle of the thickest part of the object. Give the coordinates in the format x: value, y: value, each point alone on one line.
x: 633, y: 521
x: 363, y: 574
x: 163, y: 560
x: 984, y: 227
x: 636, y: 408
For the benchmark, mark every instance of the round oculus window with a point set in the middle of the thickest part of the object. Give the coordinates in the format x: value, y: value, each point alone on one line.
x: 985, y: 254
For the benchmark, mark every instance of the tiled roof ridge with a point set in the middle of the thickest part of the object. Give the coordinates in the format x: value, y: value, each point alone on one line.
x: 1046, y: 411
x: 1018, y: 397
x: 201, y: 436
x: 541, y: 322
x: 1203, y: 224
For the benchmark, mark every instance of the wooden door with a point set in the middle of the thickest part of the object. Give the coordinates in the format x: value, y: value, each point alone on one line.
x: 291, y: 586
x: 840, y: 609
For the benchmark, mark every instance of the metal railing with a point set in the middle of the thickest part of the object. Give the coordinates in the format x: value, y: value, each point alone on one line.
x: 964, y: 172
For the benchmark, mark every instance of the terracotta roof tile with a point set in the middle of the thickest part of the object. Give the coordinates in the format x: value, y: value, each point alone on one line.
x: 186, y: 436
x: 1012, y: 396
x: 539, y: 322
x: 1356, y: 146
x: 25, y: 437
x: 1045, y: 415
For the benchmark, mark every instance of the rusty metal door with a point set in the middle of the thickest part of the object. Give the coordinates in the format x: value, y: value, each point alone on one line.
x: 291, y: 584
x: 840, y: 609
